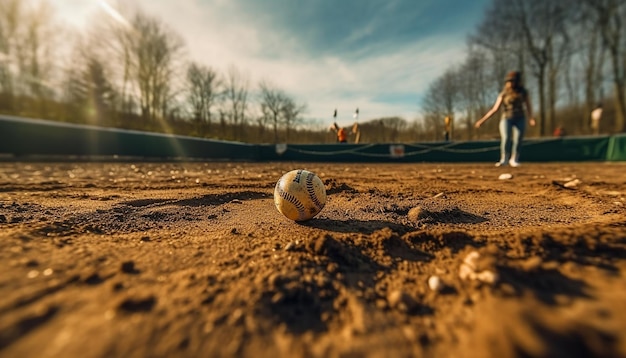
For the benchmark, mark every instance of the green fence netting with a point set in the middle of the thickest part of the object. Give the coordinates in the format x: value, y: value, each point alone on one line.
x: 617, y: 148
x: 23, y: 137
x: 535, y: 150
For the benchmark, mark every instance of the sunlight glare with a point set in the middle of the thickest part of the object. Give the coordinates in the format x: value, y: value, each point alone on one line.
x: 114, y: 13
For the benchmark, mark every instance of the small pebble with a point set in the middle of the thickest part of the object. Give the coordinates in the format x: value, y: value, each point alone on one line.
x: 532, y: 263
x: 609, y: 193
x: 415, y: 213
x: 435, y: 284
x: 381, y: 304
x: 401, y: 300
x: 487, y: 276
x: 572, y: 183
x: 466, y: 272
x: 471, y: 259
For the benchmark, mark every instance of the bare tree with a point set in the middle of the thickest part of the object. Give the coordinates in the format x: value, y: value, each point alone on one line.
x: 236, y: 96
x: 272, y: 102
x: 441, y: 100
x: 10, y: 14
x: 27, y: 45
x: 417, y: 130
x: 585, y: 70
x: 499, y: 37
x: 542, y: 26
x: 88, y: 92
x: 203, y: 93
x: 262, y: 121
x: 149, y: 54
x: 155, y: 50
x: 474, y: 90
x: 279, y: 110
x: 393, y: 126
x: 610, y: 15
x: 292, y: 114
x: 562, y: 15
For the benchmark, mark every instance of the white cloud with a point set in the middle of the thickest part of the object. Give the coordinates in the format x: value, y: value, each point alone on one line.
x: 327, y: 82
x: 215, y: 37
x: 75, y: 13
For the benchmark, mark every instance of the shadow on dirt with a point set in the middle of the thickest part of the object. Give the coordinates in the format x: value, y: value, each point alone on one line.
x: 145, y: 202
x: 545, y: 284
x: 600, y: 251
x: 142, y: 214
x: 26, y: 325
x: 578, y: 340
x: 454, y: 240
x: 451, y: 216
x: 205, y: 200
x: 334, y: 187
x: 600, y: 247
x: 300, y: 308
x: 346, y: 256
x: 356, y: 226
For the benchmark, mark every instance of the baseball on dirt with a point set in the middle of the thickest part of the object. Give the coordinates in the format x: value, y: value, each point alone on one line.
x: 299, y: 195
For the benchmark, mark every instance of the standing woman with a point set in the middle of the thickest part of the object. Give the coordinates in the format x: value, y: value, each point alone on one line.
x: 512, y: 99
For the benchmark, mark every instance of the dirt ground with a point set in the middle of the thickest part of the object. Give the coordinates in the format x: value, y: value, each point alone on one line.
x: 405, y: 260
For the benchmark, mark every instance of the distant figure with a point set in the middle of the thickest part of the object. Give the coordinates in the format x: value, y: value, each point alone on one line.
x: 448, y: 128
x: 596, y: 115
x: 559, y: 131
x: 342, y: 134
x: 513, y: 98
x: 355, y: 127
x: 357, y: 132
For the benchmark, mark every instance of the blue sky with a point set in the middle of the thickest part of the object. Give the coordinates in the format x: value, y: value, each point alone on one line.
x: 378, y: 55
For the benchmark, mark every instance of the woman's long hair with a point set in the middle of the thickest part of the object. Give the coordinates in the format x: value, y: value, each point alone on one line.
x: 513, y: 96
x: 515, y: 77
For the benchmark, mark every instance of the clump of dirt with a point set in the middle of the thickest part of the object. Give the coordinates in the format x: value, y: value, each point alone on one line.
x: 446, y: 216
x: 334, y: 187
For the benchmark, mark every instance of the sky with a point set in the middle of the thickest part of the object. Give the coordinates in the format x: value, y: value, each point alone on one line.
x: 376, y: 55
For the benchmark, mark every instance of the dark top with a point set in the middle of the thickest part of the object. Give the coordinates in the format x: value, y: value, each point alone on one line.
x: 513, y: 102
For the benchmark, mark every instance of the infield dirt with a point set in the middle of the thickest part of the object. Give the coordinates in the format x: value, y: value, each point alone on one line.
x: 193, y: 260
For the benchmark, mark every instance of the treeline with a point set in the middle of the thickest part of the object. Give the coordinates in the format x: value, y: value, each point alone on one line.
x: 572, y: 54
x: 132, y: 72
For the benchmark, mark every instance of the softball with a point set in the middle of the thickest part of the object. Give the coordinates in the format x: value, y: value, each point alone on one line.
x: 299, y: 195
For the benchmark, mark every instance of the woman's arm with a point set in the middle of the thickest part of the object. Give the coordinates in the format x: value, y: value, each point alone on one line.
x: 493, y: 110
